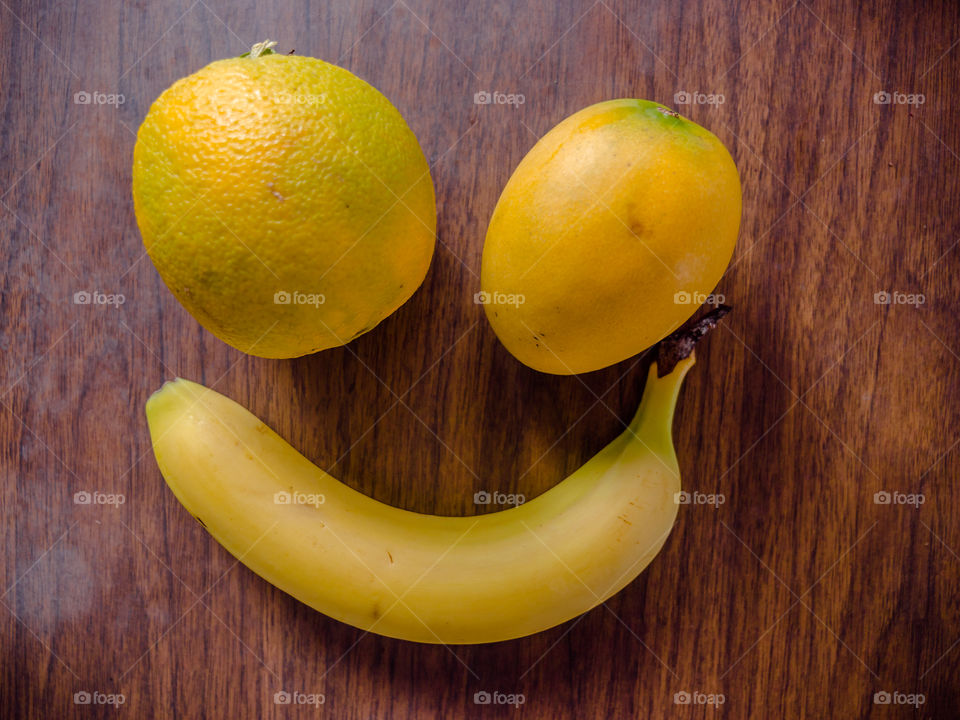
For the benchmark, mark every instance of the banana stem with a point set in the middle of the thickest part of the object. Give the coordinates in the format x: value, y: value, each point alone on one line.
x: 654, y: 417
x: 678, y: 345
x: 675, y: 357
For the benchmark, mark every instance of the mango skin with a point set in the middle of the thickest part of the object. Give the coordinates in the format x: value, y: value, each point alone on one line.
x: 608, y: 235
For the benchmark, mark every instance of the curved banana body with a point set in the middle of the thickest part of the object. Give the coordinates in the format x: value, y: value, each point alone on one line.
x: 407, y: 575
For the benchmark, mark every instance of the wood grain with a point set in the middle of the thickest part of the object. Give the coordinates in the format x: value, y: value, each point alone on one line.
x: 798, y: 597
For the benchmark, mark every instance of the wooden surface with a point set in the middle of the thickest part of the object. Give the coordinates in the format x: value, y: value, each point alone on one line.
x: 799, y: 596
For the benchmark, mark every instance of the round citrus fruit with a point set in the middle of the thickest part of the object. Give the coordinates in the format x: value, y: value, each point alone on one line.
x: 284, y: 201
x: 608, y: 236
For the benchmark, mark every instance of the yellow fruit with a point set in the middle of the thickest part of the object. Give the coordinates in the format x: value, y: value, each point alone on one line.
x: 408, y: 575
x: 608, y: 236
x: 284, y: 202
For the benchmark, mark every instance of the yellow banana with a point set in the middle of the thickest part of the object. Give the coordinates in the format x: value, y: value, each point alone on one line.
x: 408, y: 575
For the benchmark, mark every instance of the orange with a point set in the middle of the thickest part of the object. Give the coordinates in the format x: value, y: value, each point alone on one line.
x: 284, y: 201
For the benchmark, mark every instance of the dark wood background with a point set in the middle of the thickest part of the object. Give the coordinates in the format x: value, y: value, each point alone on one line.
x: 798, y: 597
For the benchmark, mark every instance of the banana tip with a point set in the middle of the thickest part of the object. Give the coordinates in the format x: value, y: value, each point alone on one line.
x: 158, y: 394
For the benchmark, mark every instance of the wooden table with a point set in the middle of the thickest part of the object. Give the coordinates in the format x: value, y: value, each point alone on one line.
x: 799, y: 596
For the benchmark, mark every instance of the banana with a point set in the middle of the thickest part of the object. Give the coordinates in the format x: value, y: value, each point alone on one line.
x: 418, y: 577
